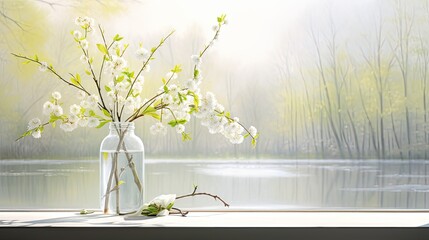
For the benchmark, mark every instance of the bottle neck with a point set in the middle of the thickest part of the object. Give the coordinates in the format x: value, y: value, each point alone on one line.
x: 117, y: 128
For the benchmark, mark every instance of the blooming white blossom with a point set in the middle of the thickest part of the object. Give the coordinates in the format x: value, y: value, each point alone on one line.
x: 56, y: 95
x: 167, y: 99
x: 85, y: 22
x: 171, y: 75
x: 73, y: 118
x: 207, y: 105
x: 122, y: 87
x: 253, y: 131
x: 84, y: 59
x: 77, y: 35
x: 48, y: 107
x: 219, y: 107
x: 147, y: 68
x: 93, y: 122
x: 192, y: 84
x: 75, y: 109
x: 142, y: 54
x: 116, y: 65
x: 137, y: 88
x: 163, y: 213
x: 67, y: 126
x: 35, y: 122
x: 236, y: 139
x: 84, y: 44
x: 180, y: 128
x: 80, y: 95
x: 85, y: 104
x: 196, y: 60
x: 158, y: 128
x: 83, y: 122
x: 36, y: 134
x: 163, y: 202
x: 173, y: 90
x: 233, y: 132
x: 57, y: 110
x: 92, y: 101
x: 43, y: 66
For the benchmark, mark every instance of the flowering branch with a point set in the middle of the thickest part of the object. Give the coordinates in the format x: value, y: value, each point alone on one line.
x: 173, y: 104
x: 163, y: 204
x: 44, y: 66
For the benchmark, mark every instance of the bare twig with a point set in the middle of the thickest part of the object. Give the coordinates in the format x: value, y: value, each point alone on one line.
x: 195, y: 193
x: 178, y: 211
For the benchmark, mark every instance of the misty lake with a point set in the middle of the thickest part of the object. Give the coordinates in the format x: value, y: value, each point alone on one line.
x: 245, y: 184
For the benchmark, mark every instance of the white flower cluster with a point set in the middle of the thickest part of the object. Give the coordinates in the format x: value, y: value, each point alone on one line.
x: 79, y: 114
x: 86, y: 23
x: 159, y: 206
x: 175, y: 103
x: 211, y: 113
x: 213, y: 116
x: 34, y: 126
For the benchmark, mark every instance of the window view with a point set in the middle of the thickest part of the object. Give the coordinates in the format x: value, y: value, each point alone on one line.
x: 337, y: 90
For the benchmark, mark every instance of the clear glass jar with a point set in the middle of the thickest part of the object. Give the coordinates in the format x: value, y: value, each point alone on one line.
x: 121, y: 170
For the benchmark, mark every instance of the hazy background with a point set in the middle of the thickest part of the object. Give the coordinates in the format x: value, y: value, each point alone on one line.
x: 319, y: 79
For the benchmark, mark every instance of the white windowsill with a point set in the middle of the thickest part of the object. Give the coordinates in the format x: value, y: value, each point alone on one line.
x: 219, y: 219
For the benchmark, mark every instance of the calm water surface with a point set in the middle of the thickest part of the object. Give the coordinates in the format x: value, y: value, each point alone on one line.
x: 263, y: 184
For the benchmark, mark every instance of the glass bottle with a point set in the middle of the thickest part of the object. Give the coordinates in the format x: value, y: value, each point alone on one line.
x: 121, y: 170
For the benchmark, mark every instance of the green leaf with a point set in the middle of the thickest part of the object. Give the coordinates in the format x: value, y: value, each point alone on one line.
x: 164, y: 81
x: 153, y: 49
x: 74, y: 82
x: 102, y: 123
x: 118, y: 52
x: 106, y: 113
x: 221, y: 18
x: 107, y: 88
x: 176, y: 69
x: 154, y: 115
x: 186, y: 137
x: 117, y: 38
x: 253, y: 142
x: 78, y: 79
x: 151, y: 111
x: 166, y: 89
x: 36, y: 58
x: 196, y: 73
x: 120, y: 79
x: 87, y: 72
x: 170, y: 206
x: 174, y: 123
x: 102, y: 48
x: 91, y: 113
x: 54, y: 118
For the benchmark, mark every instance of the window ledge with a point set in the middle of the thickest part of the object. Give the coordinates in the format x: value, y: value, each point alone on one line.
x: 219, y: 219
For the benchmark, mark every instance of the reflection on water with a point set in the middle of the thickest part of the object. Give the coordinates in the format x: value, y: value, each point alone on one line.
x: 265, y: 184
